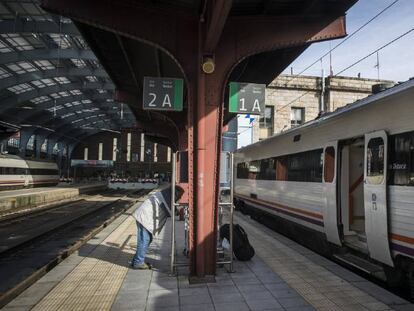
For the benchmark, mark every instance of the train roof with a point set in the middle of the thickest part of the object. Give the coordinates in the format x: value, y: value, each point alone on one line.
x: 398, y: 88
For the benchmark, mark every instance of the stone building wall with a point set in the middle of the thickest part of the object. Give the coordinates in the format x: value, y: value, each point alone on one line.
x: 286, y: 92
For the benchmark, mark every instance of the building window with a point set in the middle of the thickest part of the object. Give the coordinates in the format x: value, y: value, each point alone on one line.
x: 142, y: 150
x: 43, y: 147
x: 55, y: 149
x: 114, y: 149
x: 168, y: 154
x: 128, y: 147
x: 297, y: 116
x: 155, y: 152
x: 266, y: 120
x: 14, y: 141
x: 85, y: 153
x: 30, y: 143
x: 100, y: 151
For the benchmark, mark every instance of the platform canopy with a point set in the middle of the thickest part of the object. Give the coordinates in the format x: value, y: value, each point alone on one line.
x: 127, y: 58
x: 50, y: 80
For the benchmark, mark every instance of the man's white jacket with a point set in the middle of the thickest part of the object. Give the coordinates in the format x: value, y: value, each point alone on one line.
x: 154, y: 211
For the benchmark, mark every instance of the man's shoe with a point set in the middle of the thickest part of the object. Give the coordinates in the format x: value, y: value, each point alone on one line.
x: 142, y: 266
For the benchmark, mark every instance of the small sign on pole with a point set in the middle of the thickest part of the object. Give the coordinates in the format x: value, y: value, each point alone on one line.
x: 163, y: 94
x: 247, y: 98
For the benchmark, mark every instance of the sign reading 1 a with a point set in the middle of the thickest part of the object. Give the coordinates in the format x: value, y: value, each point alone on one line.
x: 163, y: 94
x: 247, y: 98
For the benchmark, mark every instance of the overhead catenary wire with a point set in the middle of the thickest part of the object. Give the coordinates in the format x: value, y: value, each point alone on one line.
x: 353, y: 64
x: 344, y: 40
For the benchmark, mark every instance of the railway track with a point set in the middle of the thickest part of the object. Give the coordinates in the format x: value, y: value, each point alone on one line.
x: 33, y: 243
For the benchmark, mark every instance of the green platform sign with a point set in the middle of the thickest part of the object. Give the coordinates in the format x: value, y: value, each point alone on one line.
x: 163, y: 94
x: 247, y: 98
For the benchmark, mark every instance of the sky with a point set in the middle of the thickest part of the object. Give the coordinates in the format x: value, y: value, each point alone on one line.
x: 396, y: 61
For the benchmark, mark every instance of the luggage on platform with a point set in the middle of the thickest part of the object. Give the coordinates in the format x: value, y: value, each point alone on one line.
x: 241, y: 245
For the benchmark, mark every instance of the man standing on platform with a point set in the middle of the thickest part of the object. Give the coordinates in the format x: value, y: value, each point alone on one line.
x: 151, y: 216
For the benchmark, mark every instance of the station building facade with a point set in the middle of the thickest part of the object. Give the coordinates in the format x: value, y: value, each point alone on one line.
x: 293, y: 100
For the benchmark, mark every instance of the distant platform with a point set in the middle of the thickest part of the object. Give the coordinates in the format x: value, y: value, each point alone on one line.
x: 25, y: 198
x: 282, y: 276
x: 132, y: 185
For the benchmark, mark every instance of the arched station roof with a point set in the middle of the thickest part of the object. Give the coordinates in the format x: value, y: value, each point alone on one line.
x: 50, y: 80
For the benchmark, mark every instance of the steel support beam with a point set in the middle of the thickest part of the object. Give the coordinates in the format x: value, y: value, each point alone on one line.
x: 220, y: 11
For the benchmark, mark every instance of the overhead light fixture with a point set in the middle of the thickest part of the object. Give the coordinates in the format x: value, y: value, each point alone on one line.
x: 208, y: 65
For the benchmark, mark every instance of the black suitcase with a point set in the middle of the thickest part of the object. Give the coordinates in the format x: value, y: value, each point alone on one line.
x: 241, y: 245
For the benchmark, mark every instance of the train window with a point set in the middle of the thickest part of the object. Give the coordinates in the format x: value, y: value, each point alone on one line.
x: 267, y: 169
x: 375, y: 161
x: 243, y: 170
x: 329, y: 169
x: 254, y: 169
x: 305, y: 166
x: 401, y: 165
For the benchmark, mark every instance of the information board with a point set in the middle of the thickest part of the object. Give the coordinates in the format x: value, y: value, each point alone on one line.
x: 163, y: 94
x: 247, y: 98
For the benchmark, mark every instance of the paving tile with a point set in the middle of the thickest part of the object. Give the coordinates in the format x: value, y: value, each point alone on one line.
x: 264, y: 304
x: 163, y: 301
x: 194, y: 291
x: 375, y: 306
x: 265, y: 295
x: 162, y: 293
x: 292, y: 302
x: 227, y: 297
x: 240, y: 306
x: 405, y: 307
x: 304, y: 308
x: 195, y: 300
x: 245, y: 288
x: 202, y: 307
x: 223, y: 290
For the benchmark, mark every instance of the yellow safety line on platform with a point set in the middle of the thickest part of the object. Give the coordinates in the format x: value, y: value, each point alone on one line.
x: 95, y: 282
x: 324, y: 290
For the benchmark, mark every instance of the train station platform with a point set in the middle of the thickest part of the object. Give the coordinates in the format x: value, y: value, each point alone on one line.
x: 282, y: 276
x: 11, y: 200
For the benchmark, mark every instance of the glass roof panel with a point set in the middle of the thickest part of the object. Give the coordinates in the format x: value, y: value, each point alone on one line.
x: 61, y: 40
x: 17, y: 41
x: 4, y: 48
x: 75, y: 92
x: 21, y: 67
x: 40, y: 99
x: 62, y: 80
x: 44, y: 64
x: 21, y: 88
x: 4, y: 73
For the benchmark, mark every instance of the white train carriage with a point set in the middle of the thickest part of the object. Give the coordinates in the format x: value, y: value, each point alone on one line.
x: 346, y: 178
x: 16, y: 173
x: 42, y: 173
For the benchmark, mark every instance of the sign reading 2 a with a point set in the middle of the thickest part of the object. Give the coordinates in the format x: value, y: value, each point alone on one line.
x: 247, y: 98
x: 163, y: 94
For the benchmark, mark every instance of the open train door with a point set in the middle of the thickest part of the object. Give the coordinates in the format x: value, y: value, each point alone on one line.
x: 375, y: 196
x: 330, y: 215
